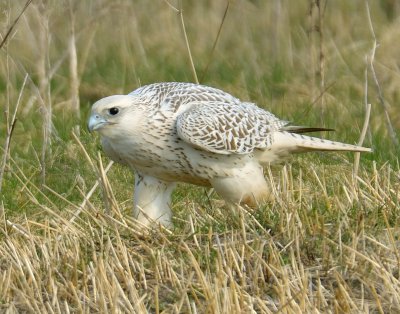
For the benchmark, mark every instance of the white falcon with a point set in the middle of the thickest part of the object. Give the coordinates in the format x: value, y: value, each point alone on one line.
x: 183, y: 132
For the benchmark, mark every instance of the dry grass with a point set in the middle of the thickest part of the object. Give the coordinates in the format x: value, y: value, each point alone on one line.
x: 307, y: 261
x: 329, y: 242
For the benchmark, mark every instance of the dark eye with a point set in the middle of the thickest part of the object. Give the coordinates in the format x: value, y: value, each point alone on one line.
x: 113, y: 111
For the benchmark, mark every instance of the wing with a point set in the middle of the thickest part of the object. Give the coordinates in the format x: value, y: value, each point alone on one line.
x: 227, y: 128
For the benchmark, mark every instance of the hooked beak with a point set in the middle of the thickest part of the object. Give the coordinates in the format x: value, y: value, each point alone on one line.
x: 96, y: 122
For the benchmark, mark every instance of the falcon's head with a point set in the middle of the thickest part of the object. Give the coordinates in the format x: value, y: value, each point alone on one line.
x: 113, y: 113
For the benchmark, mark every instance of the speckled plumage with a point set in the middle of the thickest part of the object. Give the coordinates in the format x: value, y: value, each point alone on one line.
x: 183, y: 132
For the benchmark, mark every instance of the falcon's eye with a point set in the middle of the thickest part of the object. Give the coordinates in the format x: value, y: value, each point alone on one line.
x: 113, y: 111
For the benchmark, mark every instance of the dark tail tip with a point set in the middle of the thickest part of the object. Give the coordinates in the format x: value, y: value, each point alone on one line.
x: 303, y: 129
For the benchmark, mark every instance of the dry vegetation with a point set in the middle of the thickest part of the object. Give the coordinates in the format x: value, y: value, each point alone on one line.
x: 328, y: 243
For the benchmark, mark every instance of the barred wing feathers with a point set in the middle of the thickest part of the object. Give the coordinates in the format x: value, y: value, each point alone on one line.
x: 227, y: 128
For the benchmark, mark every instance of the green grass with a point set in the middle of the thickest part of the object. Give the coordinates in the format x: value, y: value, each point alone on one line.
x: 327, y: 243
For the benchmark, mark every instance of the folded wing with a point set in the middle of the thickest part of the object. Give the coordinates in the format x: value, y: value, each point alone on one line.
x: 227, y: 128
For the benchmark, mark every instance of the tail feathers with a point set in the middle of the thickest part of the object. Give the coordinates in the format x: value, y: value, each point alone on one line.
x: 301, y: 143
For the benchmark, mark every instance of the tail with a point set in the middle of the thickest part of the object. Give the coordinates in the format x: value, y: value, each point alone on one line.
x: 285, y: 143
x: 297, y: 143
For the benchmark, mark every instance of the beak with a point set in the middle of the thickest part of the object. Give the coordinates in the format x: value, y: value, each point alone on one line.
x: 95, y: 122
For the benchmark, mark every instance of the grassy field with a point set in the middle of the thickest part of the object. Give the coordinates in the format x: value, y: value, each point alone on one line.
x: 328, y: 243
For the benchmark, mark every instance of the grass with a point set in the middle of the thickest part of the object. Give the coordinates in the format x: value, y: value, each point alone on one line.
x: 329, y: 242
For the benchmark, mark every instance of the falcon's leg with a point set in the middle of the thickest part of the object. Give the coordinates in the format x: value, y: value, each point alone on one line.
x: 246, y: 186
x: 152, y: 199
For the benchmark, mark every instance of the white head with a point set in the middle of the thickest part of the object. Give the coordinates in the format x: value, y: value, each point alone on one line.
x: 112, y: 114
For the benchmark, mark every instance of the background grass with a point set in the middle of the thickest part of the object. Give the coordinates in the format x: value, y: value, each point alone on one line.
x: 328, y: 243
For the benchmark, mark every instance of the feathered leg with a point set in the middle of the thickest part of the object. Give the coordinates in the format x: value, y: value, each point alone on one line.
x: 246, y: 186
x: 152, y: 199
